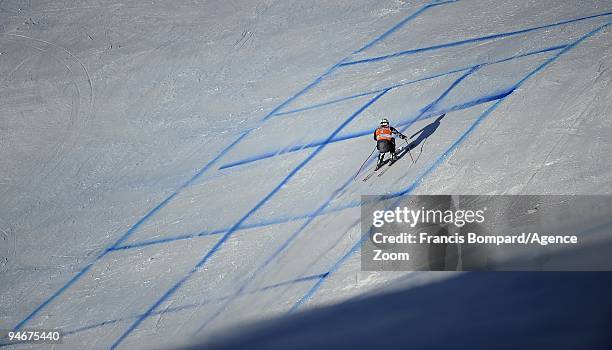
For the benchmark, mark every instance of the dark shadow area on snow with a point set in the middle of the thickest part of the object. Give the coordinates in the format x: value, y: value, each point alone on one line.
x: 482, y: 310
x: 423, y: 134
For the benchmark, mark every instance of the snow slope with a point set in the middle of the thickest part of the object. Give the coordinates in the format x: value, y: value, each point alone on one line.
x: 173, y: 168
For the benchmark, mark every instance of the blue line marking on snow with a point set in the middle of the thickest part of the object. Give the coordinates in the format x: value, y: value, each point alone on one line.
x: 327, y: 274
x: 227, y: 235
x: 486, y: 63
x: 142, y: 244
x: 441, y: 159
x: 153, y: 211
x: 237, y: 225
x: 318, y: 284
x: 55, y: 295
x: 316, y: 143
x: 148, y: 215
x: 300, y: 147
x: 129, y: 232
x: 319, y: 210
x: 425, y: 113
x: 323, y: 104
x: 472, y: 40
x: 281, y: 220
x: 401, y: 24
x: 365, y: 47
x: 294, y: 281
x: 193, y: 306
x: 350, y: 180
x: 263, y: 223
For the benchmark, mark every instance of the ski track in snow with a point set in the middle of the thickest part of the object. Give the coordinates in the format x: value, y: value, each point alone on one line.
x: 342, y: 133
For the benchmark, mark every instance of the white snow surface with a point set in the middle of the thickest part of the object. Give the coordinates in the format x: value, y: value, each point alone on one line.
x: 172, y: 168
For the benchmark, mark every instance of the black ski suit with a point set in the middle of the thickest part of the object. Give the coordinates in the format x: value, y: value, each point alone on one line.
x: 385, y: 146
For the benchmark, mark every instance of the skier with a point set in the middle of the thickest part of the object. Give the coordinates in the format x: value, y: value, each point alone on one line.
x: 385, y: 141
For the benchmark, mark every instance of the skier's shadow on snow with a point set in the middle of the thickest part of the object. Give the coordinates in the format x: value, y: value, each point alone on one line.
x: 424, y: 134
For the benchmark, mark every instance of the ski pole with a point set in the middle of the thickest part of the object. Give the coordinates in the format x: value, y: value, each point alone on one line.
x: 410, y: 154
x: 361, y: 167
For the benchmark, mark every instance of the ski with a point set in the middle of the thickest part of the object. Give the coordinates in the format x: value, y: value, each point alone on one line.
x: 388, y: 164
x: 365, y: 179
x: 391, y: 162
x: 387, y: 168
